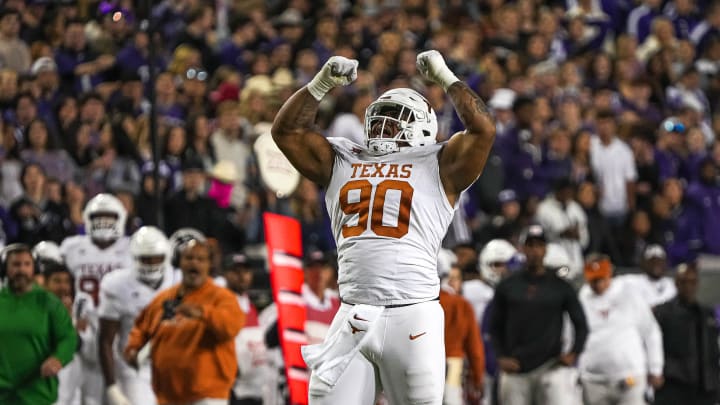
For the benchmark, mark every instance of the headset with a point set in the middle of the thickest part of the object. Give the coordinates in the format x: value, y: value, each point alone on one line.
x: 15, y: 248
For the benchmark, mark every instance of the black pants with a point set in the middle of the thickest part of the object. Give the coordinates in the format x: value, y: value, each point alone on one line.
x: 673, y: 393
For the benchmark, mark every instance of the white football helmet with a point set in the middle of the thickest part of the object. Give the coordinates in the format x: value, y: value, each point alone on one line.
x: 446, y: 259
x: 557, y: 259
x: 150, y: 250
x: 497, y: 252
x: 104, y: 217
x: 399, y: 117
x: 48, y: 251
x: 180, y: 238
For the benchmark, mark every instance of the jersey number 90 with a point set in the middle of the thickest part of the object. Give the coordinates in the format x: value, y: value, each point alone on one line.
x: 363, y: 208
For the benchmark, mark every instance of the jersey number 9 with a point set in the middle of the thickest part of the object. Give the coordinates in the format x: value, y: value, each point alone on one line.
x: 363, y: 209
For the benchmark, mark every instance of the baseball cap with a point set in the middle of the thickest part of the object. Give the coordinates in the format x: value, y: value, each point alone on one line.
x: 234, y: 260
x: 533, y: 232
x: 507, y: 195
x: 654, y: 251
x: 316, y: 257
x: 193, y: 164
x: 597, y: 269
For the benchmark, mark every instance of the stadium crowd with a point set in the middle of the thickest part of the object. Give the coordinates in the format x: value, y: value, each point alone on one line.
x: 608, y: 117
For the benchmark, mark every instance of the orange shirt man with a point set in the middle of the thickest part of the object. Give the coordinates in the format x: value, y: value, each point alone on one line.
x: 192, y: 329
x: 462, y: 340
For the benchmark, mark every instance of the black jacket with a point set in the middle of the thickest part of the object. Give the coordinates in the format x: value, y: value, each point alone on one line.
x: 690, y: 341
x: 527, y: 318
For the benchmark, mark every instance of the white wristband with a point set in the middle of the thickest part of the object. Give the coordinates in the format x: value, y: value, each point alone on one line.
x: 319, y: 86
x: 446, y: 78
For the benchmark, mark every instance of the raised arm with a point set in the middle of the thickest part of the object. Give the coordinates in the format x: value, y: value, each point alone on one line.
x: 308, y: 151
x: 463, y: 158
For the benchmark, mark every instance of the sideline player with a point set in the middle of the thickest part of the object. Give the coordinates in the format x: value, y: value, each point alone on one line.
x: 123, y: 294
x: 89, y: 258
x: 390, y: 202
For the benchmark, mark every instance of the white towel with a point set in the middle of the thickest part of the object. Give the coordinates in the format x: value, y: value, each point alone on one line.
x: 328, y: 360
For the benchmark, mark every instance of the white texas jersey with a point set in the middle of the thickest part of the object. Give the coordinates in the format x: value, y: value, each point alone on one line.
x: 89, y: 264
x: 654, y: 292
x: 479, y: 294
x: 389, y: 215
x: 123, y: 296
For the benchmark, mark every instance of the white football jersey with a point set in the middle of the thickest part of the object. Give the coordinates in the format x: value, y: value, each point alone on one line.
x: 654, y: 292
x: 89, y: 264
x: 123, y: 296
x: 479, y: 294
x: 389, y: 215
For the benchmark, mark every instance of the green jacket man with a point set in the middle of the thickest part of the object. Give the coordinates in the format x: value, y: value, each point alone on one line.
x: 37, y: 337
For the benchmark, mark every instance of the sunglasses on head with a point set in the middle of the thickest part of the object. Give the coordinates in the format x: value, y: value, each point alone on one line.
x: 196, y: 74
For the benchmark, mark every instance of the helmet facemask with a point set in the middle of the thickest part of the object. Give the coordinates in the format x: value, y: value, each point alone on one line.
x: 150, y: 269
x: 104, y: 226
x: 399, y: 118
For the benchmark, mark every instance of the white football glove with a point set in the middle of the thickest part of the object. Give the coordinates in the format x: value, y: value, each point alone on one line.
x: 337, y: 71
x: 432, y: 66
x: 115, y: 396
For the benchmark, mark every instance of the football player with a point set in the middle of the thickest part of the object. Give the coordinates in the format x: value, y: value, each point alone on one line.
x: 390, y: 201
x: 123, y: 294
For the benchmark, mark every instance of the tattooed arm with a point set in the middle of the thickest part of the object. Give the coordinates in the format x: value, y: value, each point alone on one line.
x: 463, y: 158
x: 308, y: 151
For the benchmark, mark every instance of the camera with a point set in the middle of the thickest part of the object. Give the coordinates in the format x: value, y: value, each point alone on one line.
x: 672, y: 125
x: 169, y: 307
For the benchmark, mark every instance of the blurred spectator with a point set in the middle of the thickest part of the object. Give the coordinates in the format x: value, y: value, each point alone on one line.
x: 321, y: 302
x: 506, y: 225
x: 690, y: 340
x: 251, y: 353
x: 614, y: 167
x: 14, y: 52
x: 145, y: 202
x: 36, y: 330
x: 80, y: 68
x: 79, y: 305
x: 565, y: 222
x: 198, y: 143
x: 623, y: 354
x: 308, y: 206
x: 192, y: 328
x: 704, y: 195
x: 350, y: 122
x: 708, y: 29
x: 198, y: 33
x: 41, y: 149
x: 653, y: 286
x: 532, y: 363
x: 681, y: 229
x: 190, y: 207
x: 231, y: 141
x: 37, y: 218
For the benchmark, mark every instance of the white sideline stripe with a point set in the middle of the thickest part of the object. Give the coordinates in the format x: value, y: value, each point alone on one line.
x: 295, y: 337
x: 285, y: 297
x: 295, y: 374
x: 282, y: 259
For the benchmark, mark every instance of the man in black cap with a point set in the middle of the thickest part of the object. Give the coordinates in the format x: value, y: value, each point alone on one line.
x: 526, y: 325
x: 321, y: 301
x: 191, y: 207
x: 253, y: 368
x: 505, y: 225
